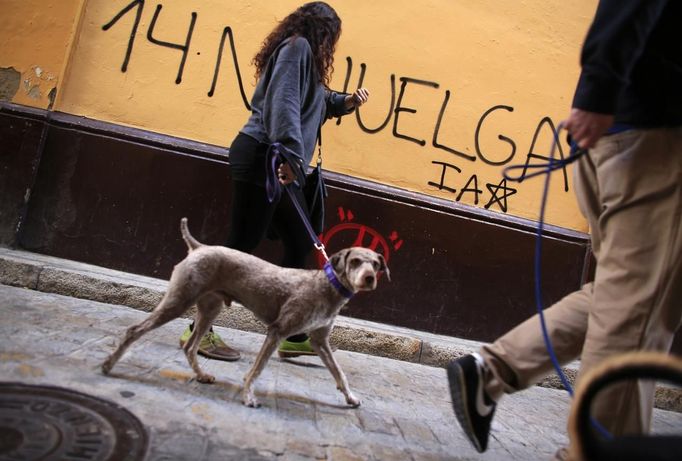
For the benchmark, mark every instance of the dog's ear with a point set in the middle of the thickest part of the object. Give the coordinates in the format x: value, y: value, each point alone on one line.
x: 338, y: 261
x: 384, y: 267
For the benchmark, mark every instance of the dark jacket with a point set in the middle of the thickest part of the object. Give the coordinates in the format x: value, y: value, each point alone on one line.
x: 290, y: 103
x: 632, y: 63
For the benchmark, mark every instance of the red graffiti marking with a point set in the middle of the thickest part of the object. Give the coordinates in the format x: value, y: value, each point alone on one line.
x: 359, y: 235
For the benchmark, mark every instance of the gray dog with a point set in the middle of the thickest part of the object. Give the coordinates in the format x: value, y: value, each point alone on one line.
x: 288, y: 301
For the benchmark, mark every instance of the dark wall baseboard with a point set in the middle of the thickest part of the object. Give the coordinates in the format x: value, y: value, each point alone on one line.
x: 113, y: 196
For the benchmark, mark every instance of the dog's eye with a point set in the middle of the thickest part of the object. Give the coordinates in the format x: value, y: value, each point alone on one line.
x: 376, y: 265
x: 355, y: 262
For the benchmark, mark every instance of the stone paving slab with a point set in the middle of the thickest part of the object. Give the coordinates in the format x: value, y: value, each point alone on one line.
x: 56, y: 275
x: 71, y: 278
x: 405, y: 414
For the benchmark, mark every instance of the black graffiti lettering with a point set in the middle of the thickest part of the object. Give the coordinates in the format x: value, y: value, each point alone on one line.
x: 390, y: 107
x: 361, y: 79
x: 441, y: 185
x: 400, y: 108
x: 499, y: 192
x: 227, y: 32
x: 349, y: 70
x: 495, y: 199
x: 531, y: 155
x: 184, y: 48
x: 133, y: 32
x: 437, y: 129
x: 500, y: 137
x: 475, y: 189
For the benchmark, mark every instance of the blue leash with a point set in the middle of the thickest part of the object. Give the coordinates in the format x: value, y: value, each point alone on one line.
x: 546, y: 169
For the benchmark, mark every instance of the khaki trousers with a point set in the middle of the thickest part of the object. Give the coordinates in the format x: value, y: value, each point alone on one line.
x: 629, y: 188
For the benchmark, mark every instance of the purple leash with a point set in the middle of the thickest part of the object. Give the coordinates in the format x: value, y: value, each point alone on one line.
x: 276, y: 155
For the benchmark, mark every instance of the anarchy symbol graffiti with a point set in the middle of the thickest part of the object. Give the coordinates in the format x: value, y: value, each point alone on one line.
x: 352, y: 234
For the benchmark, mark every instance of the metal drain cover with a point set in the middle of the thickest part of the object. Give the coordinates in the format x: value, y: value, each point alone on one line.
x: 51, y: 423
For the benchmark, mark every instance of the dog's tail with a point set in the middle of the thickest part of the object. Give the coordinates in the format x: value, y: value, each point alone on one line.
x: 192, y: 243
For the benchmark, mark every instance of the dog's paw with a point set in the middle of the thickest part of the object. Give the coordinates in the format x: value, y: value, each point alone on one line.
x: 206, y: 379
x: 250, y: 400
x: 352, y: 400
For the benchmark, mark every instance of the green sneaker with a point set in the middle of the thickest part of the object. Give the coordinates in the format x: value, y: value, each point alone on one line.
x: 289, y: 349
x: 212, y: 346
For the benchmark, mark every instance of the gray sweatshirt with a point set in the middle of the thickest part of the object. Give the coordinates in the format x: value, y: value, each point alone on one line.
x: 290, y: 103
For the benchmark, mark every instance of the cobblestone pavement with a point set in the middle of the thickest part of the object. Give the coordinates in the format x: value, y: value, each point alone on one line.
x: 405, y: 413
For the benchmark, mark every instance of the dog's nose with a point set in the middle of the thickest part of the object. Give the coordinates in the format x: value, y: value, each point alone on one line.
x: 369, y: 280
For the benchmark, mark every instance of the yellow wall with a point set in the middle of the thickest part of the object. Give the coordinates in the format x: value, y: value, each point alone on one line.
x: 34, y: 41
x: 521, y: 57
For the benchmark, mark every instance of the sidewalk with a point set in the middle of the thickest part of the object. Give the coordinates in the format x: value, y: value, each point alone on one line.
x: 70, y: 278
x: 51, y: 339
x: 85, y: 281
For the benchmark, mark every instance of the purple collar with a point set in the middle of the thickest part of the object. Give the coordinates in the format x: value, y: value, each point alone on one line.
x: 331, y: 276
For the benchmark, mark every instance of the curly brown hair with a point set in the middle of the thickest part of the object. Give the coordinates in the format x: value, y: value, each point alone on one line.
x: 319, y: 24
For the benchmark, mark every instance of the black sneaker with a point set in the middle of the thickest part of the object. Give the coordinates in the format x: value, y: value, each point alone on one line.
x: 473, y: 408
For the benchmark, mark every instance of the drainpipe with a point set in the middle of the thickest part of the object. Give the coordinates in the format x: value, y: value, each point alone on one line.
x: 63, y: 75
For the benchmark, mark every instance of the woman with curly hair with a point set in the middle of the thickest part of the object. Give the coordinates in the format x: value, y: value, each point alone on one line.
x: 291, y: 102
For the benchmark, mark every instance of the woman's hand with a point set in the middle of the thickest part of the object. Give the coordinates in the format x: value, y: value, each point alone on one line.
x: 357, y: 99
x: 285, y: 174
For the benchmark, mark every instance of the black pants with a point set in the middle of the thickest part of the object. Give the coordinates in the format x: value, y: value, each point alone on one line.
x: 254, y: 217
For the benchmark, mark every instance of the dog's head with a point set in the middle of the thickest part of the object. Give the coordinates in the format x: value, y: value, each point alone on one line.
x: 359, y: 267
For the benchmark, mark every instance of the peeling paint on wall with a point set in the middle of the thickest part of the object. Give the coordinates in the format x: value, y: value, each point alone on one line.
x: 37, y: 82
x: 9, y: 83
x: 34, y: 42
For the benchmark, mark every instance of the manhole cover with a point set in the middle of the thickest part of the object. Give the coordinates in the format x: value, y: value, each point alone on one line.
x: 50, y: 423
